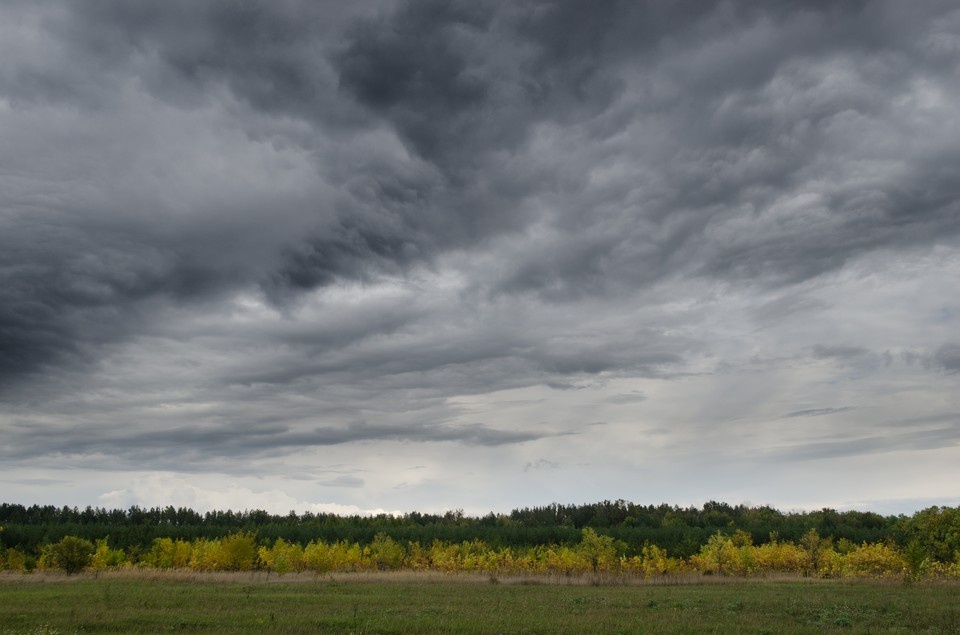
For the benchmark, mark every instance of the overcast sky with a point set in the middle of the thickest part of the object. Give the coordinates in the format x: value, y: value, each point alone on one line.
x: 359, y: 256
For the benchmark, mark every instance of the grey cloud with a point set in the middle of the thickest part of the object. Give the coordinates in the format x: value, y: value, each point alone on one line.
x: 559, y: 159
x: 562, y: 385
x: 412, y: 67
x: 343, y: 481
x: 437, y: 74
x: 912, y: 357
x: 816, y: 412
x: 784, y: 307
x: 541, y: 464
x: 947, y: 358
x: 490, y: 356
x: 839, y: 352
x: 272, y: 55
x: 64, y: 292
x: 214, y: 449
x: 634, y: 397
x: 471, y: 434
x: 70, y: 266
x: 39, y: 481
x: 933, y: 439
x: 717, y: 177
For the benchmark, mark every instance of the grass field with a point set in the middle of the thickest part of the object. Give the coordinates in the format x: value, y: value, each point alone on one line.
x: 415, y: 603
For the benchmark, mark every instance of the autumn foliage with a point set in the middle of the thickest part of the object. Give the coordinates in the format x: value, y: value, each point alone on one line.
x: 924, y: 546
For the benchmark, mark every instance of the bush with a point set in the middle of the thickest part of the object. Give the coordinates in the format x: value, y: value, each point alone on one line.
x: 71, y: 554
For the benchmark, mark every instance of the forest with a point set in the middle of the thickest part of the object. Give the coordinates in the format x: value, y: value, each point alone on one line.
x: 608, y: 536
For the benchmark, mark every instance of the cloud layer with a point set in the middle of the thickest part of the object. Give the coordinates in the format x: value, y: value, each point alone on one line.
x: 542, y: 250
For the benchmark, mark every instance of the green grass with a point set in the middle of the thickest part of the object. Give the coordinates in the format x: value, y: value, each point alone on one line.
x: 430, y: 604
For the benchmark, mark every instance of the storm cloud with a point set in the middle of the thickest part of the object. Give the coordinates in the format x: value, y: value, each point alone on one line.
x: 453, y: 234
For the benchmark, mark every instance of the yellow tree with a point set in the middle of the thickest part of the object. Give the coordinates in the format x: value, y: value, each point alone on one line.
x: 385, y: 552
x: 283, y: 557
x: 105, y: 557
x: 205, y: 555
x: 238, y: 551
x: 717, y: 556
x: 600, y: 551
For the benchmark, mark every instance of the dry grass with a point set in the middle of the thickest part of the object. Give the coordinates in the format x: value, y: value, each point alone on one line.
x: 411, y: 577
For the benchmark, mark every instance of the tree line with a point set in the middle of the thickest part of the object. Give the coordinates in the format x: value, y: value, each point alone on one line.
x: 931, y: 535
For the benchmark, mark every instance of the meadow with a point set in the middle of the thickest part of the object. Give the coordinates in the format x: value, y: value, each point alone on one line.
x: 426, y: 602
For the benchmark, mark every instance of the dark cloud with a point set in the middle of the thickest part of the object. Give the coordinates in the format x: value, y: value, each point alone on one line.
x: 214, y: 447
x: 413, y: 68
x: 287, y: 217
x: 947, y: 358
x: 461, y: 83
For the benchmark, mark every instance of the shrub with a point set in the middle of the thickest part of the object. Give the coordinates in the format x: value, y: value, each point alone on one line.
x: 71, y: 554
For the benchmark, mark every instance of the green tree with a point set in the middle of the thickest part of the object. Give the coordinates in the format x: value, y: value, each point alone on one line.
x: 917, y: 559
x: 71, y: 554
x: 937, y: 529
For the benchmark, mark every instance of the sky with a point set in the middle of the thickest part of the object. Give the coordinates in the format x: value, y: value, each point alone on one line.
x: 363, y: 257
